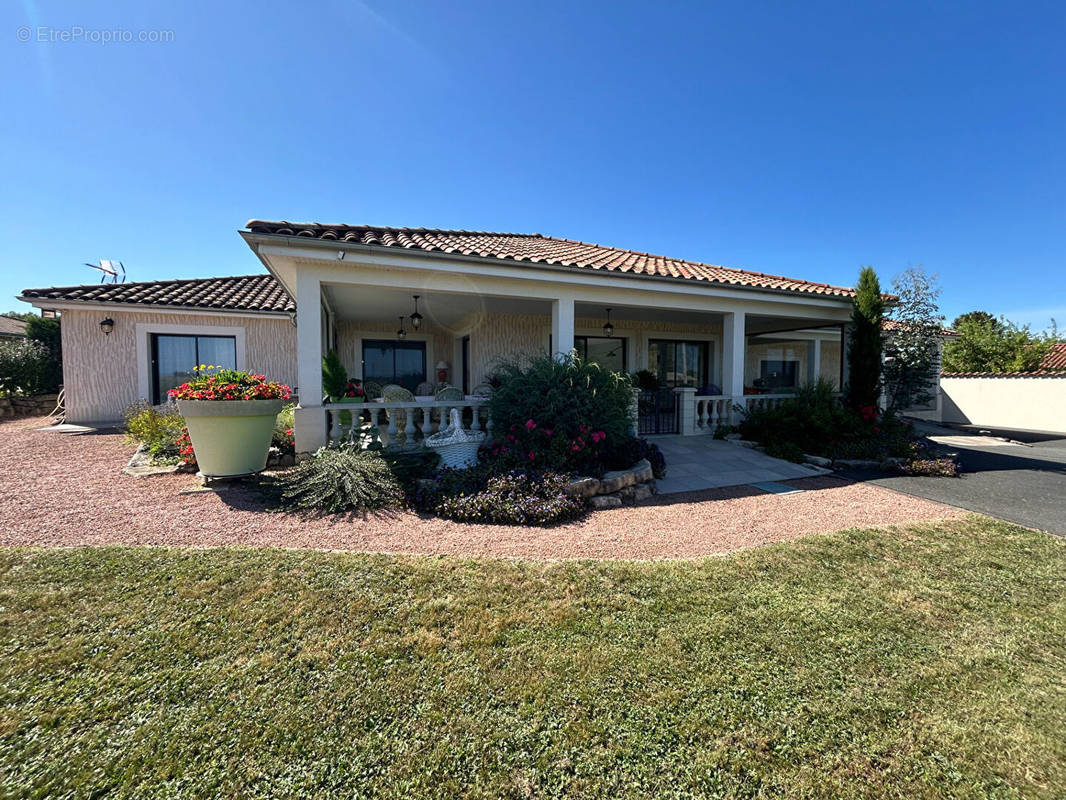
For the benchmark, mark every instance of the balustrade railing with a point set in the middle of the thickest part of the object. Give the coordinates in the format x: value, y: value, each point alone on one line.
x: 712, y: 410
x: 403, y: 424
x: 754, y: 401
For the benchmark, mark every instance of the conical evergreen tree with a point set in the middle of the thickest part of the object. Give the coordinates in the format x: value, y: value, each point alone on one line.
x: 866, y: 343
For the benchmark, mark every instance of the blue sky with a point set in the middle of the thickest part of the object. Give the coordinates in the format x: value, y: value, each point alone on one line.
x: 804, y: 139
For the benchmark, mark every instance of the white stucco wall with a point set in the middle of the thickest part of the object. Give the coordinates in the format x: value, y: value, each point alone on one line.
x: 103, y: 375
x: 1031, y: 403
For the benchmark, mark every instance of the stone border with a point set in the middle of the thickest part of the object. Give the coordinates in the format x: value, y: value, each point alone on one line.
x: 33, y: 406
x: 625, y: 486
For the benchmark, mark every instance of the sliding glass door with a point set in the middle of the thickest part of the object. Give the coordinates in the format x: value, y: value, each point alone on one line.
x: 388, y: 361
x: 680, y: 363
x: 175, y: 358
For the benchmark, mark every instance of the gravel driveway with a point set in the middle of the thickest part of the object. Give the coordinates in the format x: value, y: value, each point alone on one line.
x: 62, y: 490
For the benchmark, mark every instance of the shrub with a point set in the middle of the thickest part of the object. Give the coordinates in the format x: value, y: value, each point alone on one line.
x: 561, y: 414
x: 283, y: 436
x: 26, y: 367
x: 488, y: 494
x: 158, y: 429
x: 341, y: 479
x: 931, y: 467
x: 814, y: 421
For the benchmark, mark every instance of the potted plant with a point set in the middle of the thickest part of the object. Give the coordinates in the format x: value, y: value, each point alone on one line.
x: 353, y: 392
x: 230, y: 417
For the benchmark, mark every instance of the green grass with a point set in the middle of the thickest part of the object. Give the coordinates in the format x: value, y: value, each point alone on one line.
x: 926, y: 662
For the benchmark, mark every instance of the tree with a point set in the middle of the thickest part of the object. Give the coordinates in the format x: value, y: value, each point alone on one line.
x: 910, y: 369
x: 996, y: 346
x: 980, y: 317
x: 866, y: 344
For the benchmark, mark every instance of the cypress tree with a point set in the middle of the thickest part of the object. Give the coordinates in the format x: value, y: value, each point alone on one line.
x: 866, y: 344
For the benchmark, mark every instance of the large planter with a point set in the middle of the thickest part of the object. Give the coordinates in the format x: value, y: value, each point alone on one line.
x: 230, y: 437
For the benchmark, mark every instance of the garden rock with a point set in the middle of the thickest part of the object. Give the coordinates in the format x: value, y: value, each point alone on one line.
x: 606, y: 501
x: 583, y: 487
x: 818, y: 461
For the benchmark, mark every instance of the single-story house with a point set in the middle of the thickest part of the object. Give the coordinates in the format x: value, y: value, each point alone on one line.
x: 410, y: 305
x: 11, y: 328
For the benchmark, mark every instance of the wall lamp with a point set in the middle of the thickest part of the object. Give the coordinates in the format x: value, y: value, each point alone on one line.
x: 107, y: 325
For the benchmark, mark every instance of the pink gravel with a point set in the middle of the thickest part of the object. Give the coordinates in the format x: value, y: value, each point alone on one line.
x: 62, y: 490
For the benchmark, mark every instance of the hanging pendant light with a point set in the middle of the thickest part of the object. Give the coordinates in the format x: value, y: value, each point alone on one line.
x: 608, y: 328
x: 416, y: 318
x: 401, y: 333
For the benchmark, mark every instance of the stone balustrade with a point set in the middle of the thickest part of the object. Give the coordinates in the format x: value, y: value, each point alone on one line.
x: 403, y: 424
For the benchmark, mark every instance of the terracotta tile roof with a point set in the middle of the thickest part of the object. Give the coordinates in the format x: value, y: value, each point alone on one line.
x: 1040, y: 373
x: 1056, y: 357
x: 240, y: 293
x: 9, y: 326
x: 892, y: 325
x: 533, y: 248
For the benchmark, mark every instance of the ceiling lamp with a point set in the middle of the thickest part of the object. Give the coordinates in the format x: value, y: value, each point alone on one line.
x: 608, y: 328
x: 416, y: 318
x: 401, y: 333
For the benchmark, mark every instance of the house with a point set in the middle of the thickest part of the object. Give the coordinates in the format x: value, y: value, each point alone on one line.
x: 399, y: 304
x: 1055, y: 358
x: 11, y: 328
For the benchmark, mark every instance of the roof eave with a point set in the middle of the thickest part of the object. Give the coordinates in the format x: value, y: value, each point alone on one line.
x: 335, y: 244
x: 41, y: 302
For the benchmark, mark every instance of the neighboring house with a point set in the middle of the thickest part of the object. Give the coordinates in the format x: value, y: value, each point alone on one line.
x: 1055, y: 359
x: 933, y: 408
x: 714, y: 333
x: 11, y: 328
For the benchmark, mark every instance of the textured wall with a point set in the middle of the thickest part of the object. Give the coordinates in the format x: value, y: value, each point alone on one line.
x: 100, y: 372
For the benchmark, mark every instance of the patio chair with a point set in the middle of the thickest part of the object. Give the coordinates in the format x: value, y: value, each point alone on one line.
x: 394, y: 393
x: 447, y: 393
x: 372, y: 389
x: 482, y: 390
x: 424, y: 388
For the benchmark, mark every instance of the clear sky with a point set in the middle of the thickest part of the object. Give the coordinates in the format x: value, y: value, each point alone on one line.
x: 803, y: 139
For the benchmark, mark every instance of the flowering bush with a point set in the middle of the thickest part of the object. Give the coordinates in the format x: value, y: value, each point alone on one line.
x: 229, y: 384
x: 283, y: 436
x: 185, y: 451
x: 931, y: 467
x: 487, y: 493
x: 562, y: 415
x: 354, y: 389
x: 156, y: 429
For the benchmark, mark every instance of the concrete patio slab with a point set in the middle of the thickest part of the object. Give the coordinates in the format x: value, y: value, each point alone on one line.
x: 694, y: 463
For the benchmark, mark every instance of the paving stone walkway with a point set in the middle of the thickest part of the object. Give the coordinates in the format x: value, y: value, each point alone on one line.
x: 694, y: 463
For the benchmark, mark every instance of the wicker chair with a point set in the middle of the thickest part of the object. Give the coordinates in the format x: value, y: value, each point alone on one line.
x: 447, y: 393
x: 424, y: 388
x: 372, y: 389
x: 482, y: 390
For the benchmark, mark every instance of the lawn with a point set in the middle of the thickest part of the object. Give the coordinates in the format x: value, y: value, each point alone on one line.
x: 920, y: 662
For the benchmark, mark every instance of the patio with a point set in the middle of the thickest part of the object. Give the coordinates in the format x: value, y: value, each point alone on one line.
x: 697, y: 463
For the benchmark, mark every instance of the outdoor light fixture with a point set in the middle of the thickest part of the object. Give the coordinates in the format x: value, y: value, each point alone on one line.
x: 107, y: 325
x: 608, y: 328
x: 292, y: 318
x: 416, y: 318
x: 401, y: 333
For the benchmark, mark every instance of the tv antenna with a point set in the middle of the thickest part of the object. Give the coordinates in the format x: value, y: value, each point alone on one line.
x: 110, y: 271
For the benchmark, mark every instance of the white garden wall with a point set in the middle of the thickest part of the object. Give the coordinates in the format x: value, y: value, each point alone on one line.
x: 1031, y: 403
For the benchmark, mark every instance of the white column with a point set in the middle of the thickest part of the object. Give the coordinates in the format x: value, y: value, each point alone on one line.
x: 310, y: 420
x: 814, y: 360
x: 733, y: 354
x: 686, y: 410
x: 562, y: 326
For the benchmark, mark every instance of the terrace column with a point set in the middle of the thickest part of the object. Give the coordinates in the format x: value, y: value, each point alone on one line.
x: 562, y: 326
x: 733, y: 344
x: 814, y: 361
x: 309, y: 428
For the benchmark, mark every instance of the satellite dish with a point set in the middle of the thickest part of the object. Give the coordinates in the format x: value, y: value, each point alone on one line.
x: 110, y: 271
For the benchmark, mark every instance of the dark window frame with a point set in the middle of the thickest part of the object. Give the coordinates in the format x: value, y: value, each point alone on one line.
x: 791, y: 362
x: 395, y: 344
x: 154, y: 345
x: 703, y: 344
x: 585, y: 339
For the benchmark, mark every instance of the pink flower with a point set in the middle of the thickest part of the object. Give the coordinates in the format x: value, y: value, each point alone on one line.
x: 547, y: 431
x: 531, y: 456
x: 530, y: 425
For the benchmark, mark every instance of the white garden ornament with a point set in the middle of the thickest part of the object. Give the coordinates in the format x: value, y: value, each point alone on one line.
x: 457, y: 447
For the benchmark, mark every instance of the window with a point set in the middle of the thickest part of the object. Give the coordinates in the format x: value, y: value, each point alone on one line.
x: 174, y: 357
x: 388, y: 361
x: 680, y: 363
x: 778, y: 374
x: 609, y: 353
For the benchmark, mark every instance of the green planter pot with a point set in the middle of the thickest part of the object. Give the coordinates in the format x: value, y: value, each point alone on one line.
x: 230, y: 437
